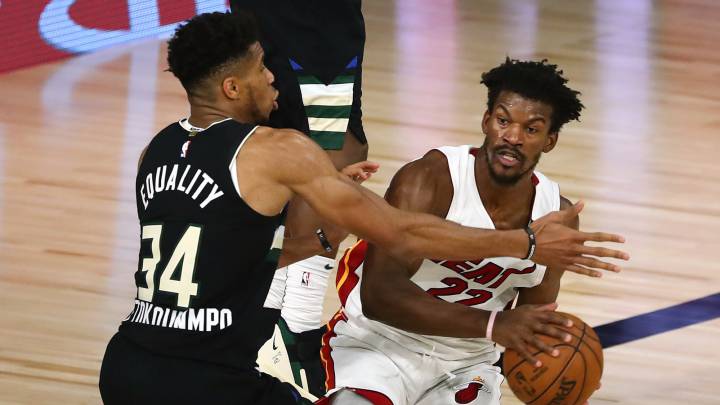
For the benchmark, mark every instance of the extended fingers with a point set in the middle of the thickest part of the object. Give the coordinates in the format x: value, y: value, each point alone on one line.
x: 370, y: 166
x: 573, y: 210
x: 582, y: 270
x: 542, y: 346
x: 547, y: 314
x: 578, y: 206
x: 525, y: 354
x: 553, y: 331
x: 603, y: 252
x: 603, y: 237
x: 357, y: 175
x: 365, y: 166
x: 594, y: 263
x: 554, y: 318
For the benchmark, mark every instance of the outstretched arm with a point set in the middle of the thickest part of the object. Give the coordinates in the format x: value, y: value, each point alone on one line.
x: 300, y: 247
x: 282, y: 162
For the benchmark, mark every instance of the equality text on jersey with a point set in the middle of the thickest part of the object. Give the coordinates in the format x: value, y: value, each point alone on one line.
x: 196, y: 184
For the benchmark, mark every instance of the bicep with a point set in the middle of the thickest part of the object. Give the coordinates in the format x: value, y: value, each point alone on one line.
x: 379, y: 266
x: 423, y: 186
x: 306, y: 170
x: 411, y: 189
x: 348, y: 205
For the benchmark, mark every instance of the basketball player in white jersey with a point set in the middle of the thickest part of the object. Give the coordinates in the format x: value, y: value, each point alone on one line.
x: 412, y: 331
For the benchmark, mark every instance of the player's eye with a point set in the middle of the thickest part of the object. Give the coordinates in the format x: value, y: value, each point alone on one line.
x: 502, y: 121
x: 532, y: 130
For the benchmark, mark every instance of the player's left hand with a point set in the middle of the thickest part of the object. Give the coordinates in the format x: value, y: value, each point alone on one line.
x: 360, y: 171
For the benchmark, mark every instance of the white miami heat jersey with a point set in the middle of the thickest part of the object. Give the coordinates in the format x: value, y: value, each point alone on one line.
x: 484, y: 283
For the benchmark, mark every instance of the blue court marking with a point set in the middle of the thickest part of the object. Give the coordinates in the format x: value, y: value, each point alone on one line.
x: 656, y: 322
x: 660, y: 321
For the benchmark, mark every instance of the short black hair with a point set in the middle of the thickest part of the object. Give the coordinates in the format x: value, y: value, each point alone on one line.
x: 206, y: 43
x: 539, y: 81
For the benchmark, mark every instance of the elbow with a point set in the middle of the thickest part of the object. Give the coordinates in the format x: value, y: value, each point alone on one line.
x: 405, y: 247
x: 407, y: 243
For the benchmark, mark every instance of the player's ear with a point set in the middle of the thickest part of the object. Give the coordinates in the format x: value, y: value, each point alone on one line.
x: 550, y: 142
x: 231, y: 87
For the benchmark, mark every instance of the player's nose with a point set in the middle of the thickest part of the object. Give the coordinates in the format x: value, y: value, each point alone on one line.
x: 513, y: 135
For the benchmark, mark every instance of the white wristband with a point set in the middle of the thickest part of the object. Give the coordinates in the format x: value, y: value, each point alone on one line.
x: 490, y: 324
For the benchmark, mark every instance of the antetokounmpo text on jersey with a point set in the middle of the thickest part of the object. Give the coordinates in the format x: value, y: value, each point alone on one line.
x: 196, y: 319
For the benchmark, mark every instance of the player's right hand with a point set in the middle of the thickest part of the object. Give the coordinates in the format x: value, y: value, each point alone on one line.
x: 518, y: 329
x: 561, y: 247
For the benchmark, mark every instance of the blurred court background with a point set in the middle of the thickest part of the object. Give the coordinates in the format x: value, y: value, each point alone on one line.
x: 83, y: 89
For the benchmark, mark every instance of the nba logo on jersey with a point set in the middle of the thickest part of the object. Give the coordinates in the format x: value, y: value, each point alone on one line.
x: 305, y: 279
x: 184, y: 149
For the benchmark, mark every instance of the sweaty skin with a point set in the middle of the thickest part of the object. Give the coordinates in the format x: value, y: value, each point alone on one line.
x: 517, y: 133
x: 276, y: 164
x: 302, y: 221
x: 389, y: 296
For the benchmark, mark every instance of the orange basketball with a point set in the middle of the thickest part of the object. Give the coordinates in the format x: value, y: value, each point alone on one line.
x: 567, y: 379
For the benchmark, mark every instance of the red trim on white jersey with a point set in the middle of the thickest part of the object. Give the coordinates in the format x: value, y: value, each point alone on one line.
x: 377, y: 398
x: 325, y: 350
x: 346, y: 278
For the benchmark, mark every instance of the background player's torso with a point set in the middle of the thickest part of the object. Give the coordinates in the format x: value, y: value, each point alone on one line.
x: 315, y: 50
x: 486, y: 283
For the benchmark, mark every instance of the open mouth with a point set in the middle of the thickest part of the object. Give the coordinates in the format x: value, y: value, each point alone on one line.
x: 508, y: 157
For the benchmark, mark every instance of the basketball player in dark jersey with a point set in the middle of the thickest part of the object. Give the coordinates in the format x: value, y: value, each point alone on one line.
x: 211, y: 191
x: 315, y: 50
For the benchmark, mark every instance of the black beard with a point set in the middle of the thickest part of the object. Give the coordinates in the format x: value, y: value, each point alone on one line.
x: 506, y: 181
x: 255, y: 113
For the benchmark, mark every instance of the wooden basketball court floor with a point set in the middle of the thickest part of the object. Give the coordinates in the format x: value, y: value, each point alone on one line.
x: 644, y: 158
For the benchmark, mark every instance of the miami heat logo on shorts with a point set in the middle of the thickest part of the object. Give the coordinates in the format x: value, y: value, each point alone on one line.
x: 470, y: 392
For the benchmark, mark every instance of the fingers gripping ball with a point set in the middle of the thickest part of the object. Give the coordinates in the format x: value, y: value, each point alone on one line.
x: 567, y: 379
